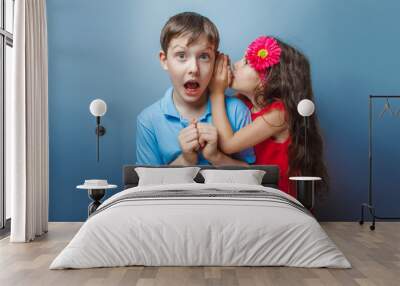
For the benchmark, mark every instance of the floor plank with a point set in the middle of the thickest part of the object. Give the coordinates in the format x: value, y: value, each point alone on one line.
x: 374, y: 255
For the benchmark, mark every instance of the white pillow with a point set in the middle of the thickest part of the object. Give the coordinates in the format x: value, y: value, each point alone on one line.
x: 164, y: 176
x: 248, y: 177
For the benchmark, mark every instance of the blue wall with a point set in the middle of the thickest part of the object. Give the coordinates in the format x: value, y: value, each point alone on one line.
x: 109, y: 50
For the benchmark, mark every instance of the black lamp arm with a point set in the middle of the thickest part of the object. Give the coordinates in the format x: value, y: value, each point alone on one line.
x: 100, y: 131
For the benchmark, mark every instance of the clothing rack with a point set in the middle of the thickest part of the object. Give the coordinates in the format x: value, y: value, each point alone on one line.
x: 369, y: 205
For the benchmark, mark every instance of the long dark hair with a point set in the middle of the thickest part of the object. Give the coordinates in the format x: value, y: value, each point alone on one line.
x: 290, y: 82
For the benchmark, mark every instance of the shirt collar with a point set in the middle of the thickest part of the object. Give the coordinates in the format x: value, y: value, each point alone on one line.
x: 169, y: 109
x: 167, y: 104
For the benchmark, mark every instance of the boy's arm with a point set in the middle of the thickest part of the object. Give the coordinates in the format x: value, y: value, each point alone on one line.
x: 147, y: 152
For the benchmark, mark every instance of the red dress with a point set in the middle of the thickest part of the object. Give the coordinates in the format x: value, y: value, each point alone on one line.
x: 270, y: 152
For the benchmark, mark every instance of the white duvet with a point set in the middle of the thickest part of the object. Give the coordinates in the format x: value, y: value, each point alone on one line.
x: 200, y: 231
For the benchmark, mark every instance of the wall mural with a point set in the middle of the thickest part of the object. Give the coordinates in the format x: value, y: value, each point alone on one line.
x: 194, y: 123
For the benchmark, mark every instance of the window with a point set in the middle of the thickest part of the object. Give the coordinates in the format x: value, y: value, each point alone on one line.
x: 6, y: 45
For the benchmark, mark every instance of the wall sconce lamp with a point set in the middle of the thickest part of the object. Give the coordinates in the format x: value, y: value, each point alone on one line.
x: 305, y: 108
x: 98, y: 108
x: 305, y: 184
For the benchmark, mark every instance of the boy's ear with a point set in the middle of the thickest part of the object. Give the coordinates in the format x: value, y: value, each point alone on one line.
x: 163, y: 60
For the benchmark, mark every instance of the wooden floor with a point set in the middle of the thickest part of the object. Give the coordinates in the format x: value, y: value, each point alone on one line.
x: 374, y: 255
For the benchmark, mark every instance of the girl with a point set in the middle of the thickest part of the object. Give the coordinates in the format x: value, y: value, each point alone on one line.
x: 271, y: 79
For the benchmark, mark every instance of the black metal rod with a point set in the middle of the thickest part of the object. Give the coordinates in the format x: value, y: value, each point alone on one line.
x: 370, y: 206
x: 98, y: 145
x: 370, y: 152
x: 305, y: 143
x: 98, y: 136
x: 384, y: 96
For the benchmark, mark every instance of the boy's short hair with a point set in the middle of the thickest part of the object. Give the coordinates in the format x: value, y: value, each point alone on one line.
x: 189, y: 23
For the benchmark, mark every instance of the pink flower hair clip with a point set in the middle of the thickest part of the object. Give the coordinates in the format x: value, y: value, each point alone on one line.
x: 262, y: 53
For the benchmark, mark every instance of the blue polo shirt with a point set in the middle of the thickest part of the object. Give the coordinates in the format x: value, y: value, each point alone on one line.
x: 158, y: 127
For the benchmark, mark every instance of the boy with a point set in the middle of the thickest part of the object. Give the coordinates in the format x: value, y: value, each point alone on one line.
x: 177, y: 129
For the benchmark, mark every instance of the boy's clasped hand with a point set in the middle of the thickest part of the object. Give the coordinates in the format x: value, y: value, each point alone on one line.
x: 198, y: 138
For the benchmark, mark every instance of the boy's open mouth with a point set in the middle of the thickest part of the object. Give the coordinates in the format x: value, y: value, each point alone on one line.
x: 191, y: 86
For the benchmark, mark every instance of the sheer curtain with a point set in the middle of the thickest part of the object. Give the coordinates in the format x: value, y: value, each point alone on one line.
x: 27, y: 124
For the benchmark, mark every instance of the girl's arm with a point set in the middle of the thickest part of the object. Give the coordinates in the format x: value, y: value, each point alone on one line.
x: 218, y: 84
x: 263, y: 127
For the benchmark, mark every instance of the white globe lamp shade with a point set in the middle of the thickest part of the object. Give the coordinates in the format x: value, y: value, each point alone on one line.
x: 98, y: 107
x: 306, y: 107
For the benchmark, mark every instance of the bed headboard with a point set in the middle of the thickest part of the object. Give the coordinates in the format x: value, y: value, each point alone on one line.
x: 130, y: 178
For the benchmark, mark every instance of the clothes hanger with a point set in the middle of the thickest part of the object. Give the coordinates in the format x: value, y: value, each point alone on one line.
x: 387, y: 107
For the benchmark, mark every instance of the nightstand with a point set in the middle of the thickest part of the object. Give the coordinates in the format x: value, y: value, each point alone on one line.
x: 305, y: 187
x: 96, y: 190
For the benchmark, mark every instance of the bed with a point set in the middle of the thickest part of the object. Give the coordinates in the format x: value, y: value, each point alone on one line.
x: 201, y: 224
